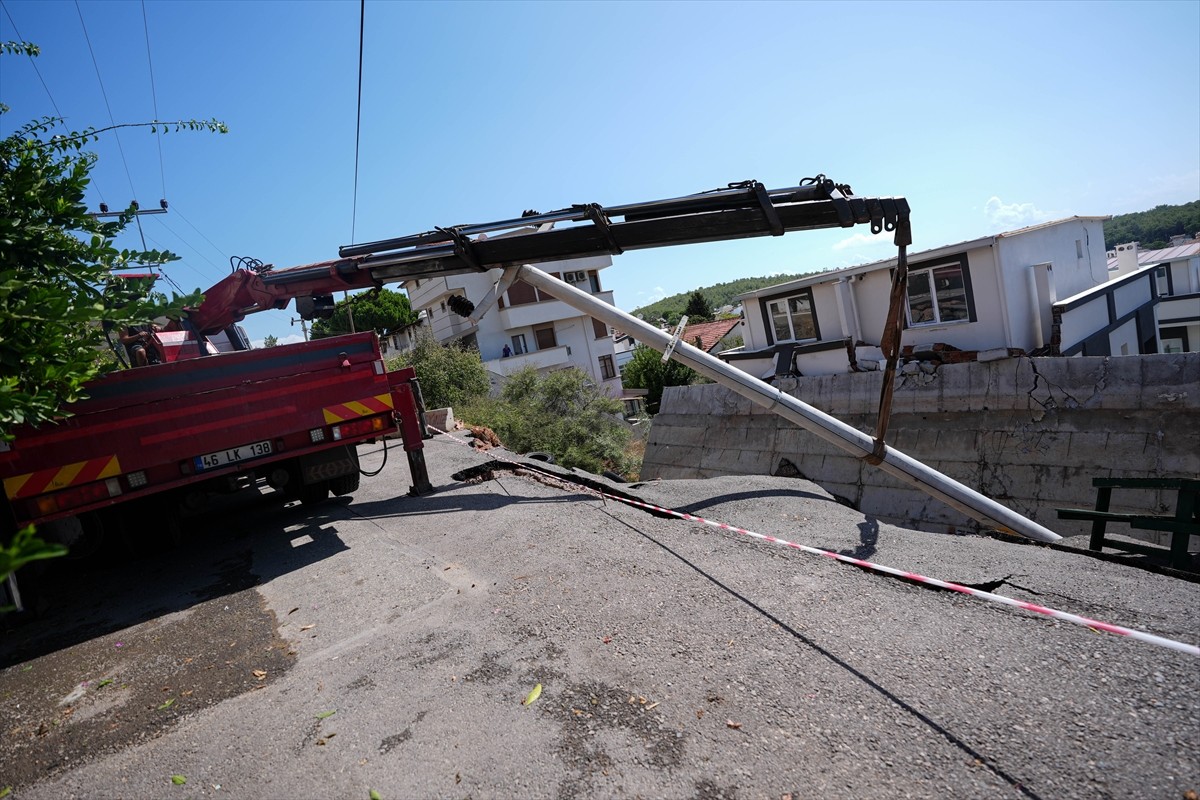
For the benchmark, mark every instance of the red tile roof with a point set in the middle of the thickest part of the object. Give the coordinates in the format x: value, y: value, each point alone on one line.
x: 709, y: 333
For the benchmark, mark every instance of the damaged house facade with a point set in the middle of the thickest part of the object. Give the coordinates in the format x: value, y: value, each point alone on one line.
x: 527, y: 327
x: 1041, y: 290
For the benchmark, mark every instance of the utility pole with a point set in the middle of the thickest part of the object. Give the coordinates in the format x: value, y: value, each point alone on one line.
x: 349, y: 310
x: 303, y: 326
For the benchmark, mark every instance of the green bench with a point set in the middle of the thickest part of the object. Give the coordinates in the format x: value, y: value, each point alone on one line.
x: 1182, y: 525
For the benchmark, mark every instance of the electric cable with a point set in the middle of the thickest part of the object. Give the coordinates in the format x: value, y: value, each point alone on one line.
x: 190, y: 245
x: 104, y: 94
x: 221, y: 251
x: 362, y: 19
x: 32, y: 61
x: 154, y: 100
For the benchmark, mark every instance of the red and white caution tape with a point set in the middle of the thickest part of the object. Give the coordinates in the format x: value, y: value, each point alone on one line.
x: 1132, y: 633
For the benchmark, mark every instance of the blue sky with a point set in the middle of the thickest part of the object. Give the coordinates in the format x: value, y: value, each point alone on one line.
x: 985, y: 116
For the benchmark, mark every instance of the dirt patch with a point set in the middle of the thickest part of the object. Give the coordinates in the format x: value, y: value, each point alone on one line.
x: 91, y: 699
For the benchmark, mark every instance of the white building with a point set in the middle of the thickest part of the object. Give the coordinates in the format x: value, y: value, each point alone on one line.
x: 1036, y: 290
x: 1176, y: 282
x: 527, y: 327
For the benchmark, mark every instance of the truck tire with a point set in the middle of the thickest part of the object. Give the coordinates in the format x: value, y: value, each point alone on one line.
x: 346, y: 484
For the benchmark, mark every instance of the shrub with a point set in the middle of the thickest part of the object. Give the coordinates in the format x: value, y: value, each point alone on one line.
x: 450, y: 375
x: 562, y: 413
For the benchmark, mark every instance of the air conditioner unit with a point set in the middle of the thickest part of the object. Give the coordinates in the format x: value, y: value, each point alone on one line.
x: 575, y: 277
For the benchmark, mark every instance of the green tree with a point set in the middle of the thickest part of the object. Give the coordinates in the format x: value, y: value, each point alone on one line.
x: 563, y: 413
x: 448, y: 373
x: 381, y: 310
x: 646, y: 370
x: 698, y: 308
x: 55, y: 275
x: 270, y: 341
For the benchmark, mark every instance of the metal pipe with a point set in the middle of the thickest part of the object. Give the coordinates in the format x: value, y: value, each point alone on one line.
x: 832, y: 430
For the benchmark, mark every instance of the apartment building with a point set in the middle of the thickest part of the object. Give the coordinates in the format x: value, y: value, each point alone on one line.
x: 527, y: 327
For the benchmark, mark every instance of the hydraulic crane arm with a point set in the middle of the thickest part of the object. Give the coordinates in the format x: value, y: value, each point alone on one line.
x: 742, y: 210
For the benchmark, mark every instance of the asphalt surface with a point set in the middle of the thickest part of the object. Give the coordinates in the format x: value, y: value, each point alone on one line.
x: 386, y: 644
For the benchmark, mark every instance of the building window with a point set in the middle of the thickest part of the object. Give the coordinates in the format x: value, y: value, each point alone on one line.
x: 545, y: 337
x: 792, y: 317
x: 594, y: 281
x: 518, y: 344
x: 607, y: 370
x: 599, y: 328
x: 939, y: 294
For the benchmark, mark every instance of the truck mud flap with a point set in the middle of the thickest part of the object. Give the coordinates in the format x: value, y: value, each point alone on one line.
x: 328, y: 464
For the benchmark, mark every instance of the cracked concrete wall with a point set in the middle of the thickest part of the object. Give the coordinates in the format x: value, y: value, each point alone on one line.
x: 1030, y: 433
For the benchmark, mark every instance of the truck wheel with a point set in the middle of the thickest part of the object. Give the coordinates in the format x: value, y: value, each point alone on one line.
x: 345, y: 484
x: 314, y: 493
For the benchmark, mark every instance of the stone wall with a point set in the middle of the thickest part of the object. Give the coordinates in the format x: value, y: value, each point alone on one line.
x: 1030, y: 433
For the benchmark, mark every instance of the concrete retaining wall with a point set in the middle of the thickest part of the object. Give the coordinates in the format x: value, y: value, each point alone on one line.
x: 1030, y: 433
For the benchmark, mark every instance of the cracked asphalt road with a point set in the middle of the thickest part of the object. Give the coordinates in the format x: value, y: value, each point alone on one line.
x: 396, y: 638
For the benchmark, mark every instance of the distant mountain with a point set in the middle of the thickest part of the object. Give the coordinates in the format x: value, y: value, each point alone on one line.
x: 1153, y: 229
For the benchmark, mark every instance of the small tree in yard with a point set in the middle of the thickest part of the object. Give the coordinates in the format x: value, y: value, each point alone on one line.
x: 563, y: 413
x: 381, y: 310
x: 449, y: 375
x: 646, y: 370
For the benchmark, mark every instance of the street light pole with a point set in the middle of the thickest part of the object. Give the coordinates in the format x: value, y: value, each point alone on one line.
x: 303, y: 326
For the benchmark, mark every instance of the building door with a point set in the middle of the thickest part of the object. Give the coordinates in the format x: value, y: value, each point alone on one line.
x: 518, y: 344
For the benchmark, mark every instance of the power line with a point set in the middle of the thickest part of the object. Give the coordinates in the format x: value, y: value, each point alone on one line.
x: 154, y: 99
x: 104, y: 94
x: 362, y: 20
x: 157, y: 244
x: 32, y: 61
x: 189, y: 244
x: 220, y: 250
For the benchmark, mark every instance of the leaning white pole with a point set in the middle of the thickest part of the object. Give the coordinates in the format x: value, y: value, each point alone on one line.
x: 832, y: 430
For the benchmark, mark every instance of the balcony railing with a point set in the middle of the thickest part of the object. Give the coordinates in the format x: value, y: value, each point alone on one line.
x: 538, y: 359
x: 528, y: 314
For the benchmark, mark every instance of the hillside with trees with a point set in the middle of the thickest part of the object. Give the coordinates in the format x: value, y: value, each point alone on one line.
x: 1153, y: 229
x: 718, y: 296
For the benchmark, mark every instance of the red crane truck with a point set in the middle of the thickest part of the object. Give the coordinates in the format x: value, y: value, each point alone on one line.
x: 153, y: 440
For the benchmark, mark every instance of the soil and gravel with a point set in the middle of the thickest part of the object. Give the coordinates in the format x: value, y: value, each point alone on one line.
x: 387, y: 644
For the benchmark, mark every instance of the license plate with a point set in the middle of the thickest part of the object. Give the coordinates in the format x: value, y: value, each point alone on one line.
x: 231, y: 456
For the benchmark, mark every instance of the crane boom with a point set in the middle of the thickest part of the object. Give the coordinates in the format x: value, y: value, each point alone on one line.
x: 743, y: 210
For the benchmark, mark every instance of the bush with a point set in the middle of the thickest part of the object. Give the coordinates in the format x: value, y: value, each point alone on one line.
x: 646, y: 370
x: 450, y: 375
x: 562, y: 413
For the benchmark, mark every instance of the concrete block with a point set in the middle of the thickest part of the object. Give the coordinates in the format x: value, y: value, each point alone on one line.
x: 845, y: 470
x: 957, y: 442
x: 992, y: 355
x: 440, y: 418
x: 678, y: 434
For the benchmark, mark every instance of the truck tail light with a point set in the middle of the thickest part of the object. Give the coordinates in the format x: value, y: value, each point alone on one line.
x: 380, y: 368
x: 317, y: 435
x: 137, y: 479
x: 357, y: 428
x: 76, y: 496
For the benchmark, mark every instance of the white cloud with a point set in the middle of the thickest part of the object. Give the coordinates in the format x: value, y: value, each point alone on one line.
x: 863, y: 240
x: 652, y: 296
x: 1013, y: 215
